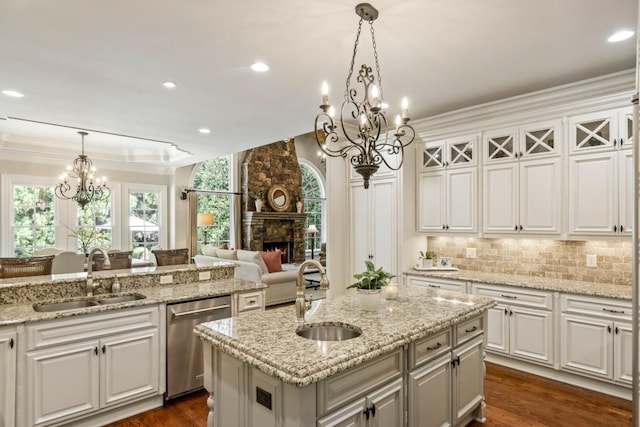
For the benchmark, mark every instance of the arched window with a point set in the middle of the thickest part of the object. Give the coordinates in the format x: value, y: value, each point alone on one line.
x: 215, y: 175
x: 313, y: 195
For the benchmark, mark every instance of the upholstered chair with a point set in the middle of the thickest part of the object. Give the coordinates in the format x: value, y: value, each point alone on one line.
x: 23, y: 267
x: 171, y: 256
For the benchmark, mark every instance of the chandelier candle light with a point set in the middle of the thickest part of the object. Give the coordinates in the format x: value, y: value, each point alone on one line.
x: 371, y: 142
x: 89, y: 188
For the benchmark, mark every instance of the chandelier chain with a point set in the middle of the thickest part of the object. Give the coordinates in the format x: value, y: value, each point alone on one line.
x: 353, y: 60
x: 375, y: 55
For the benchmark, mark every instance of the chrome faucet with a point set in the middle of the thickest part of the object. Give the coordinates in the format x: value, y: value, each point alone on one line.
x: 301, y: 305
x: 107, y: 265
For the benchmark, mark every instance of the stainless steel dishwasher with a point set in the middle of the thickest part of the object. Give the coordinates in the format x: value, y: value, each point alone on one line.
x: 185, y: 362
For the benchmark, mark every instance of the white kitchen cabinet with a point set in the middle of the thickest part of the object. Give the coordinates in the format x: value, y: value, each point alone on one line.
x: 521, y: 324
x: 447, y: 186
x: 374, y: 224
x: 600, y: 193
x: 522, y: 180
x: 8, y: 360
x: 596, y: 337
x: 468, y: 378
x: 78, y: 366
x: 436, y: 283
x: 601, y: 173
x: 430, y: 389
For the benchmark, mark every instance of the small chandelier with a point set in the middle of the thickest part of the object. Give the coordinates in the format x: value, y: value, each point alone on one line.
x: 371, y: 142
x: 89, y: 188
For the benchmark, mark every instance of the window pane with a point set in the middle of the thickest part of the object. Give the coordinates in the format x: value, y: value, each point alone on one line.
x: 314, y: 205
x: 94, y: 225
x: 33, y: 219
x: 144, y: 227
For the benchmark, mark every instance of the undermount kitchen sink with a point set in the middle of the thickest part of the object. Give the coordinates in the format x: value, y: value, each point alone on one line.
x: 71, y: 305
x: 120, y: 298
x: 322, y: 332
x: 59, y: 306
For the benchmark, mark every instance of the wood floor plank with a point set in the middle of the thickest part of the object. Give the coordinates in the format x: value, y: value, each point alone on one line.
x: 514, y: 399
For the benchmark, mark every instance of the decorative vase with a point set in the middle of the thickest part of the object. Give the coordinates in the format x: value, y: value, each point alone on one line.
x: 258, y: 205
x: 299, y: 206
x: 369, y: 299
x: 427, y: 262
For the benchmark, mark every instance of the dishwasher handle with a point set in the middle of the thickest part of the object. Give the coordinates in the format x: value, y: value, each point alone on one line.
x: 175, y: 315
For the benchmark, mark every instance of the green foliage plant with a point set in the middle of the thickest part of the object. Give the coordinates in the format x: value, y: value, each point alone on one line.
x: 428, y: 254
x: 371, y: 278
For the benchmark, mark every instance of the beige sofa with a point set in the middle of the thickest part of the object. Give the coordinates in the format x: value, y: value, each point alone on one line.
x: 251, y: 267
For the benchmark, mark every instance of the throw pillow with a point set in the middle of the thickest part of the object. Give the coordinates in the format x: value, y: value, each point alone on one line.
x: 227, y: 254
x: 208, y: 250
x: 273, y: 260
x: 254, y: 257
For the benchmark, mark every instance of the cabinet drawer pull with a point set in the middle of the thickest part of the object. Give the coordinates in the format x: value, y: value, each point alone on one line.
x: 433, y: 286
x: 475, y: 328
x: 608, y: 310
x: 508, y: 296
x: 435, y: 347
x: 201, y: 310
x: 252, y: 301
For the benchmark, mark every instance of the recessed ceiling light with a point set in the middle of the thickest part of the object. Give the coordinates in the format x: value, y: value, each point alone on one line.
x: 169, y: 85
x: 620, y: 35
x: 12, y: 93
x: 259, y: 67
x: 204, y: 130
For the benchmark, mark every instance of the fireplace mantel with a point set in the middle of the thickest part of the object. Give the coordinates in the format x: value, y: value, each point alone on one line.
x: 260, y: 227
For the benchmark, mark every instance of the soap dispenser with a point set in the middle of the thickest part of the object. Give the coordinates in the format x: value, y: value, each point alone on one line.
x: 115, y: 286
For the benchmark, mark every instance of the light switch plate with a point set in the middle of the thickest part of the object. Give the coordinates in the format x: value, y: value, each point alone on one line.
x: 204, y: 275
x: 165, y: 280
x: 471, y: 253
x: 592, y: 260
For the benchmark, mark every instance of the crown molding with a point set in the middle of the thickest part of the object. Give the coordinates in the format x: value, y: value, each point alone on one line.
x: 609, y: 91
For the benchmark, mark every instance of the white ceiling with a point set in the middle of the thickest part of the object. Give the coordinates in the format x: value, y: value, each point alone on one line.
x: 99, y: 65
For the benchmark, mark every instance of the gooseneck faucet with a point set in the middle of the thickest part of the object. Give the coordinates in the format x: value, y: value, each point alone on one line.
x: 301, y: 305
x: 107, y: 265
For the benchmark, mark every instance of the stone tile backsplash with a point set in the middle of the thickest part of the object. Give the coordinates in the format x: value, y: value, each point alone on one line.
x: 559, y: 259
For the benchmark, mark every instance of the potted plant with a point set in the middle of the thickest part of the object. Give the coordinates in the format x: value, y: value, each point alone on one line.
x: 426, y: 258
x: 369, y: 285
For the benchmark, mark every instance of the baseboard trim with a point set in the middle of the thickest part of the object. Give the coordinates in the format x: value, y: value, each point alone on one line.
x: 120, y: 413
x: 562, y: 376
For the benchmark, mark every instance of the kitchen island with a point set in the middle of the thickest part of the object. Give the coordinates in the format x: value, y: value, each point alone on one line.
x: 418, y: 360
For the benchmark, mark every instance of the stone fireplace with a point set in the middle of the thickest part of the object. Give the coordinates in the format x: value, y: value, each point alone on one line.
x: 263, y: 167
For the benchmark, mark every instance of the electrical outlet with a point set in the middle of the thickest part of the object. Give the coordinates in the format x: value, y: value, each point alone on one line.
x: 592, y: 260
x: 165, y: 280
x: 204, y: 275
x: 471, y: 253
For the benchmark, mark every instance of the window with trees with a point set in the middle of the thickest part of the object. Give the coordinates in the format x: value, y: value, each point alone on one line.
x: 214, y: 175
x: 34, y: 218
x: 144, y: 222
x: 314, y: 199
x: 94, y: 225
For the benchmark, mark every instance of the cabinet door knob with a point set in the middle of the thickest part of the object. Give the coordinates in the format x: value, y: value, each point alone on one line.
x: 520, y: 227
x: 615, y: 228
x: 617, y: 330
x: 447, y: 226
x: 621, y: 229
x: 104, y: 349
x: 515, y: 228
x: 366, y: 413
x: 95, y: 350
x: 615, y: 142
x: 11, y: 343
x: 443, y: 226
x: 373, y: 410
x: 506, y: 311
x: 609, y: 328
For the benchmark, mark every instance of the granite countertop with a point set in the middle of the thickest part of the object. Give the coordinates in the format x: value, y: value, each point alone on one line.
x: 11, y: 314
x: 541, y: 283
x: 300, y: 361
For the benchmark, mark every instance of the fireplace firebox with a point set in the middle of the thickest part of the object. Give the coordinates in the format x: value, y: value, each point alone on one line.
x: 283, y: 247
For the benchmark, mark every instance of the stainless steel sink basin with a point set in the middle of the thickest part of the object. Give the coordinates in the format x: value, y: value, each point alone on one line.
x: 60, y: 306
x: 120, y: 298
x: 322, y: 332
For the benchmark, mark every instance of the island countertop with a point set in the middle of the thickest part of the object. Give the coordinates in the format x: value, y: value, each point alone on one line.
x: 268, y: 340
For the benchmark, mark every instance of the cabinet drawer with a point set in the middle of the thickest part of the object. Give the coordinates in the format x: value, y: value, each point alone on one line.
x: 443, y: 284
x: 516, y: 296
x: 469, y: 329
x: 249, y: 301
x: 339, y: 389
x: 429, y: 348
x: 596, y: 306
x: 55, y: 332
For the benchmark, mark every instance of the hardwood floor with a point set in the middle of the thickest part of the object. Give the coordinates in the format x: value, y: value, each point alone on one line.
x: 513, y: 399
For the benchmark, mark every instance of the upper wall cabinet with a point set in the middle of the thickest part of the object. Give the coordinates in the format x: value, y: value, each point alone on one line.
x: 601, y: 174
x: 447, y: 186
x: 600, y: 131
x: 522, y: 180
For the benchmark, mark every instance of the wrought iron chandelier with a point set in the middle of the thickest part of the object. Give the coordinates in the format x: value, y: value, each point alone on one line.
x: 89, y: 188
x: 371, y: 142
